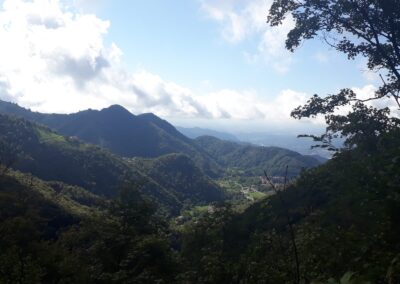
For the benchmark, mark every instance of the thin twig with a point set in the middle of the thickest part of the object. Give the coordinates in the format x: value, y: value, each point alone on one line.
x: 289, y: 222
x: 396, y: 97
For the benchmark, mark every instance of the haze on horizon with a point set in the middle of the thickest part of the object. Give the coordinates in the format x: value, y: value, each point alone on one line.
x: 213, y: 64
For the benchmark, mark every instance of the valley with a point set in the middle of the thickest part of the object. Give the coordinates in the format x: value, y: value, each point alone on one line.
x: 191, y: 195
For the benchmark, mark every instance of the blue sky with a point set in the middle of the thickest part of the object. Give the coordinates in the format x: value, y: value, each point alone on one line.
x: 177, y: 40
x: 210, y: 63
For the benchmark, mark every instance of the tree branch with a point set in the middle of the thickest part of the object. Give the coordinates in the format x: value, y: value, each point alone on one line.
x: 396, y: 97
x: 389, y: 61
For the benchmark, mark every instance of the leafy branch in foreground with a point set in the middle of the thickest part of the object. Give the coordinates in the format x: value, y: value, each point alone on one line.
x: 362, y: 126
x: 367, y: 28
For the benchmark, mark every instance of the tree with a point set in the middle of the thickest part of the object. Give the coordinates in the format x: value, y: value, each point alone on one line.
x: 368, y: 28
x: 9, y: 155
x: 135, y: 213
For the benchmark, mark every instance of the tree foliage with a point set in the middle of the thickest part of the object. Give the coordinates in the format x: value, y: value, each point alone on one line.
x: 367, y: 28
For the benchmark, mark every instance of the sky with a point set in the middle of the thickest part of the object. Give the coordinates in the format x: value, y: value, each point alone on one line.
x: 207, y: 63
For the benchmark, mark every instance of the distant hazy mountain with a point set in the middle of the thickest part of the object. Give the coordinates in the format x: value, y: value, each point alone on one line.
x: 288, y: 141
x: 118, y: 130
x: 253, y: 160
x: 195, y: 132
x: 318, y: 158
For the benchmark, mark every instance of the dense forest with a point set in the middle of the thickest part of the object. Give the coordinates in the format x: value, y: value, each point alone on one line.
x: 111, y: 197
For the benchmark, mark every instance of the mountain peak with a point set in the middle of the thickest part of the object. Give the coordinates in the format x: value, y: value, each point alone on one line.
x: 115, y: 108
x: 116, y: 112
x: 151, y: 117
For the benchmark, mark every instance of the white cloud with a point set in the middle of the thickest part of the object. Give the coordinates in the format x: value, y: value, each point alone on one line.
x: 54, y: 59
x: 241, y: 19
x: 248, y: 105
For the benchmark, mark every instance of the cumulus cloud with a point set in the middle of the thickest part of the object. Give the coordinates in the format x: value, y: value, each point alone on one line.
x: 54, y: 59
x: 241, y: 19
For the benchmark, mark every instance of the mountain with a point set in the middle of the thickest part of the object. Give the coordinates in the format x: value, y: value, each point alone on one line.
x: 289, y: 141
x: 35, y: 149
x: 123, y: 133
x: 148, y: 136
x: 337, y: 223
x: 195, y: 132
x: 253, y: 160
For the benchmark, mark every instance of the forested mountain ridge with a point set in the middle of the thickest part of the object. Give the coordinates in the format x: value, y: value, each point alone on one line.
x: 38, y: 150
x: 123, y: 133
